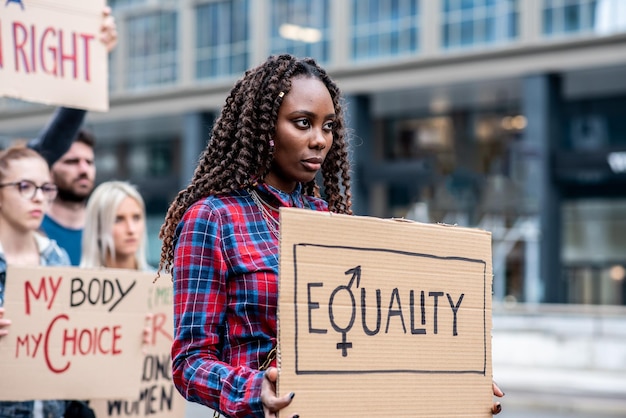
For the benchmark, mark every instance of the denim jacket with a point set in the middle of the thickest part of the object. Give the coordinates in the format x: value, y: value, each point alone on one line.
x: 50, y: 254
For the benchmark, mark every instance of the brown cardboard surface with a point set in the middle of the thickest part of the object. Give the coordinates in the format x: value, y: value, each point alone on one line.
x: 383, y: 317
x: 75, y: 333
x: 50, y: 53
x: 157, y: 396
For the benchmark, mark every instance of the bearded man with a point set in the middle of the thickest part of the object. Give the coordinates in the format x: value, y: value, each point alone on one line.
x: 74, y: 174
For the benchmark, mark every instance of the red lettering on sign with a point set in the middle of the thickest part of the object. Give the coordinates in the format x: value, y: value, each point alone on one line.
x: 91, y: 341
x: 80, y: 342
x: 158, y: 322
x: 1, y: 62
x: 86, y: 39
x: 52, y: 50
x: 18, y: 45
x: 42, y: 291
x: 47, y: 347
x: 33, y: 61
x: 72, y: 57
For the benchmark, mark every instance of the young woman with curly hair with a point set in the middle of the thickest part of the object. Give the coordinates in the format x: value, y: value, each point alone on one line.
x: 281, y: 125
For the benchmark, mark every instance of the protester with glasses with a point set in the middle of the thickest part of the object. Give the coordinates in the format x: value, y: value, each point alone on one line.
x: 26, y: 190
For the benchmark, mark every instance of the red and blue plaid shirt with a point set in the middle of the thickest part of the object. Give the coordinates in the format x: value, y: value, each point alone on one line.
x: 225, y: 298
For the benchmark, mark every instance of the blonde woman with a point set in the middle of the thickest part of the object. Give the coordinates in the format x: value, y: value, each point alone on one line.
x: 115, y: 229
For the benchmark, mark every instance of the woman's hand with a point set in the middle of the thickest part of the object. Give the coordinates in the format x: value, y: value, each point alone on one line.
x: 108, y: 29
x: 272, y: 403
x: 4, y: 324
x: 496, y: 408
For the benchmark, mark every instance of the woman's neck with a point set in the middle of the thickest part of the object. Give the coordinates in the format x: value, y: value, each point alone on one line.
x: 20, y: 247
x: 123, y: 262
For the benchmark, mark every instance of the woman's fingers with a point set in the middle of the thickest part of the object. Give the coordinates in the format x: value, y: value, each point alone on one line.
x: 271, y: 402
x: 496, y: 390
x: 4, y: 324
x: 497, y: 407
x: 108, y: 30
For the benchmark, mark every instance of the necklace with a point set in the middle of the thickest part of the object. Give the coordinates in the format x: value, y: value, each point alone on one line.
x: 272, y: 223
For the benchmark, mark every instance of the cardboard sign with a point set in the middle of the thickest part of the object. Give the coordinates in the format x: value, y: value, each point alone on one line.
x: 50, y: 52
x: 75, y: 333
x: 157, y: 396
x: 383, y: 317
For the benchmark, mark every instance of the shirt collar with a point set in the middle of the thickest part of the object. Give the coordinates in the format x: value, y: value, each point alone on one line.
x: 278, y: 198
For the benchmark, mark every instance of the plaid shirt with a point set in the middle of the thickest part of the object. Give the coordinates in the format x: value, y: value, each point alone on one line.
x: 225, y: 298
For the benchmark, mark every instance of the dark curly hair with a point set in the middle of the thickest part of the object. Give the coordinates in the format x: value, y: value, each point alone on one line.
x: 239, y: 153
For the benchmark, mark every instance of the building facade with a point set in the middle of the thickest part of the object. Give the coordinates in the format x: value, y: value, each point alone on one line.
x: 506, y: 115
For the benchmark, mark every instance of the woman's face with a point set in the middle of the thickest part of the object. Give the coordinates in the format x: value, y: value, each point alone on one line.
x: 304, y: 134
x: 25, y: 210
x: 128, y: 229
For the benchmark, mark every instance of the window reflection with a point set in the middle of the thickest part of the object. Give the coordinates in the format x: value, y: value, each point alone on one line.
x: 152, y: 50
x: 384, y: 29
x: 562, y: 17
x: 470, y: 23
x: 301, y: 28
x: 222, y: 38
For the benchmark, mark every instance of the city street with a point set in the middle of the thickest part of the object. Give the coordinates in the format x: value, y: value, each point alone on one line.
x: 521, y: 412
x: 521, y: 404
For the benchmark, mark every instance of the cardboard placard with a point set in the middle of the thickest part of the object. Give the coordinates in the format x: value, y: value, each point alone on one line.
x: 157, y: 396
x: 381, y: 317
x: 50, y: 53
x: 75, y: 333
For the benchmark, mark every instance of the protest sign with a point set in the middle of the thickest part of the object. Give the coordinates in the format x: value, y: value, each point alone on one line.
x: 382, y: 317
x: 75, y: 333
x: 50, y: 53
x: 157, y: 396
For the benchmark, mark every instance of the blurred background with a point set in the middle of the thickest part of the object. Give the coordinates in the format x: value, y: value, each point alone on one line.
x: 505, y: 115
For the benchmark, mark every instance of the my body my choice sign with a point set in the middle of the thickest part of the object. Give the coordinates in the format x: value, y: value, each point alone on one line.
x: 50, y: 52
x: 75, y: 333
x: 381, y: 317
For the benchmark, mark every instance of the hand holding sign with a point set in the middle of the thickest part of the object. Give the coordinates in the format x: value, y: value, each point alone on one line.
x: 55, y: 52
x: 272, y: 403
x: 108, y: 30
x: 4, y: 323
x: 65, y: 318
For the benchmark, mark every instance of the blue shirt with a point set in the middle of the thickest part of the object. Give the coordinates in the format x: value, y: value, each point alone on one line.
x: 68, y: 239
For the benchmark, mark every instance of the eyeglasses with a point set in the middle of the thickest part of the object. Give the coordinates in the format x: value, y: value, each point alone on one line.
x: 28, y: 189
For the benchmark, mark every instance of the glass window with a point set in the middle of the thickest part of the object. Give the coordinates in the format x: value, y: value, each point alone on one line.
x: 384, y: 28
x: 152, y: 50
x: 222, y: 38
x: 563, y: 17
x: 470, y: 23
x: 593, y: 250
x: 120, y: 4
x: 301, y: 28
x: 123, y: 3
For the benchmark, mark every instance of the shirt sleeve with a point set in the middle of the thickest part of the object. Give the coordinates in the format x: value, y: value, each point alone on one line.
x: 200, y: 273
x: 58, y: 135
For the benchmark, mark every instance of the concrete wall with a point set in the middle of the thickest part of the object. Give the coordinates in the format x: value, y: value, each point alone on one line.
x: 570, y: 356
